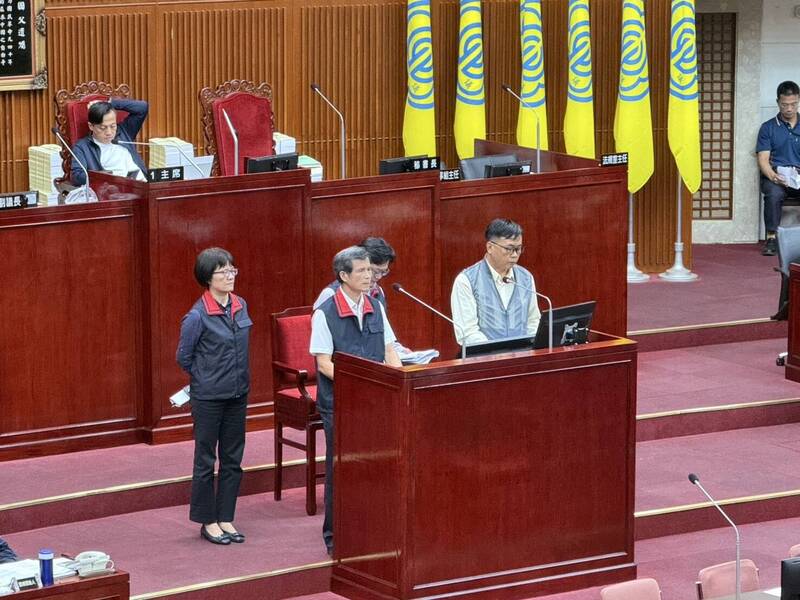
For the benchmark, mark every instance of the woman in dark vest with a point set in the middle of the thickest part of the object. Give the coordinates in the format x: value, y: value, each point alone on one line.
x: 213, y: 349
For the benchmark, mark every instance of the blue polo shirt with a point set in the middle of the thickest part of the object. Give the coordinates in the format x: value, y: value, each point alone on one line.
x: 781, y: 140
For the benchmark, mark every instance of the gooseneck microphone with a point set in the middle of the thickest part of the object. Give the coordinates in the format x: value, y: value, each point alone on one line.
x: 399, y: 288
x: 696, y: 481
x: 342, y: 135
x: 507, y: 89
x: 549, y: 308
x: 235, y: 142
x: 171, y: 144
x: 76, y: 159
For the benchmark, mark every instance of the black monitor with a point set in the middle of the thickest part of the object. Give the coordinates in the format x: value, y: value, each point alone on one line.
x: 475, y: 168
x: 274, y: 162
x: 500, y: 346
x: 570, y: 325
x: 507, y: 169
x: 402, y: 164
x: 790, y: 578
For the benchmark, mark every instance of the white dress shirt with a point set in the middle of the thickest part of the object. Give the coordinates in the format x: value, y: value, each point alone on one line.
x: 465, y: 309
x: 118, y: 160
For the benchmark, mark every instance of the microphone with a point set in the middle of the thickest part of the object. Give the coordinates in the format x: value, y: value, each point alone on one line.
x: 549, y: 308
x: 167, y: 143
x: 399, y: 288
x: 342, y: 137
x: 507, y: 89
x: 696, y: 481
x: 235, y: 142
x: 76, y: 159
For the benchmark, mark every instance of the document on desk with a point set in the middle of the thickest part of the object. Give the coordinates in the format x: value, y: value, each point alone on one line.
x: 30, y: 567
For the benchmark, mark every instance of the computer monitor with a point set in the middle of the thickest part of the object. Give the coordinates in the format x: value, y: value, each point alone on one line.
x: 790, y: 578
x: 274, y: 162
x: 570, y: 325
x: 507, y: 169
x: 402, y: 164
x: 475, y: 168
x: 500, y: 346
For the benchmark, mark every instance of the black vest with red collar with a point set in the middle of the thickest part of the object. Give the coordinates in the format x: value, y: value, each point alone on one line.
x: 366, y: 342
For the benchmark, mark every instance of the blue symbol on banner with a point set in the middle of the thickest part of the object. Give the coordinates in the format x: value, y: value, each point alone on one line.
x: 579, y: 86
x: 420, y: 57
x: 633, y: 82
x: 683, y: 57
x: 470, y: 60
x: 533, y: 89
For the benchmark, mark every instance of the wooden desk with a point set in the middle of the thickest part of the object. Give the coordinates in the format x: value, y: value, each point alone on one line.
x: 793, y: 356
x: 106, y: 587
x: 512, y: 474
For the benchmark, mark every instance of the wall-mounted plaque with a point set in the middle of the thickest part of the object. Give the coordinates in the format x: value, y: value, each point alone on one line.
x: 23, y: 31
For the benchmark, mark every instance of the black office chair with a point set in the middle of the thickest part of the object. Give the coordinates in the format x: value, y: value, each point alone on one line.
x: 788, y: 252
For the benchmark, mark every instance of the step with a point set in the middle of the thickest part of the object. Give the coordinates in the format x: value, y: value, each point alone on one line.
x: 754, y: 471
x: 703, y: 334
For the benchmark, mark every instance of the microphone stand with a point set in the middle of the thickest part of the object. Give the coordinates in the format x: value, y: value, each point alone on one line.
x: 508, y: 89
x: 696, y: 481
x: 342, y: 136
x: 399, y: 288
x: 168, y: 143
x: 77, y: 160
x: 235, y: 142
x: 549, y: 308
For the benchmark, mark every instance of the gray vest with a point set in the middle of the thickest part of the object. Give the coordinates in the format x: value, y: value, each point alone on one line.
x: 495, y: 321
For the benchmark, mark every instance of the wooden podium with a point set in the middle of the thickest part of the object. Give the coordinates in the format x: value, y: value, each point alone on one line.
x: 511, y: 474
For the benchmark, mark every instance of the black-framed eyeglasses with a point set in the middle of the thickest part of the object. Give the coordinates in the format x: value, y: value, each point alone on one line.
x: 227, y: 272
x: 380, y: 273
x: 510, y: 249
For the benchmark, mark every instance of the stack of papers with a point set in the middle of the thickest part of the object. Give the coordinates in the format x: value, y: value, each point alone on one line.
x: 284, y: 144
x: 791, y: 177
x: 417, y: 357
x: 311, y: 163
x: 30, y: 567
x: 48, y: 199
x: 163, y: 152
x: 44, y: 165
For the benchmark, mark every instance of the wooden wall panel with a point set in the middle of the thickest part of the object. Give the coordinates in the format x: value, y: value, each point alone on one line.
x: 355, y: 50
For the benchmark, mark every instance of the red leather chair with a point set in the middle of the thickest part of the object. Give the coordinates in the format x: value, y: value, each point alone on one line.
x: 72, y: 120
x: 249, y: 107
x: 294, y: 375
x: 720, y: 580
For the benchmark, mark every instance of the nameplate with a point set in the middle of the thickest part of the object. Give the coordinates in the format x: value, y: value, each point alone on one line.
x: 450, y: 175
x: 614, y: 160
x: 166, y: 174
x: 18, y: 200
x: 428, y: 163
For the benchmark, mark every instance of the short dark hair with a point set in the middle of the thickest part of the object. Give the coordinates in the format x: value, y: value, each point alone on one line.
x: 343, y: 261
x: 98, y: 110
x: 503, y: 228
x: 788, y: 88
x: 379, y: 250
x: 208, y: 261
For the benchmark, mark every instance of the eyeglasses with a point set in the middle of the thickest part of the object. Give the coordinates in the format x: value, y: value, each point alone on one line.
x: 110, y: 127
x: 380, y: 273
x: 227, y: 273
x: 510, y: 249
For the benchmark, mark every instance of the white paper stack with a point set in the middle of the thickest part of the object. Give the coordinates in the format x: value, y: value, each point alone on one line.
x: 163, y: 152
x: 791, y: 177
x: 48, y: 199
x: 311, y: 163
x: 284, y: 144
x: 44, y: 165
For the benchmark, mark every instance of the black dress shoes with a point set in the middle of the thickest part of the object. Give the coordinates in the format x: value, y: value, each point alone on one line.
x: 237, y: 537
x: 223, y: 539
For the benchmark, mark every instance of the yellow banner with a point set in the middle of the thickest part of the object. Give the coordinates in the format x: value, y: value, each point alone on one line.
x: 684, y: 111
x: 470, y: 119
x: 633, y: 125
x: 419, y: 121
x: 533, y: 109
x: 579, y: 118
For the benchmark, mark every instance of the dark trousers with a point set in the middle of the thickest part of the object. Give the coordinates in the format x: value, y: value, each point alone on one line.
x: 327, y: 524
x: 217, y: 424
x: 774, y: 195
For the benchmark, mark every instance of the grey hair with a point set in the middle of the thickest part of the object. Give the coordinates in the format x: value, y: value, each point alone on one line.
x: 343, y: 261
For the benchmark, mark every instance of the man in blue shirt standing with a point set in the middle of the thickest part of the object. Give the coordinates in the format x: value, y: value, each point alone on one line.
x: 778, y: 145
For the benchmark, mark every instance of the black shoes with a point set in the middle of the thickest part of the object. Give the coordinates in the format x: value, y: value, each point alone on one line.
x: 236, y: 537
x: 770, y: 247
x: 223, y: 539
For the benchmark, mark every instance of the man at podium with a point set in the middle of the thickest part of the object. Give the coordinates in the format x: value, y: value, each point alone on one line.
x: 349, y: 321
x: 496, y: 298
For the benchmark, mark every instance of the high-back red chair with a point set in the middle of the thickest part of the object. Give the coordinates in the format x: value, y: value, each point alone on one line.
x: 638, y: 589
x: 249, y: 107
x: 294, y: 376
x: 72, y: 114
x: 719, y: 580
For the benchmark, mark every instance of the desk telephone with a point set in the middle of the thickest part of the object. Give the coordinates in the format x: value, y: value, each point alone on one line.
x: 93, y: 562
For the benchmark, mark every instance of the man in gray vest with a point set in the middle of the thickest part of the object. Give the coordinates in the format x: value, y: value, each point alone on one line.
x: 495, y: 298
